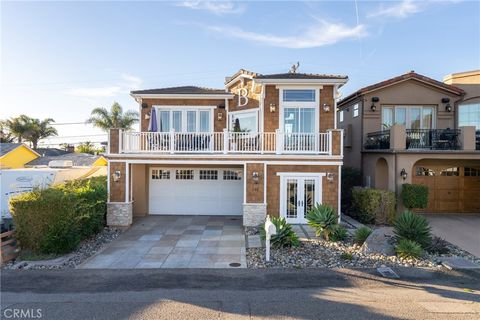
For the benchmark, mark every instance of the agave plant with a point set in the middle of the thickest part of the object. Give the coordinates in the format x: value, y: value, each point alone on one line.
x: 413, y: 227
x: 408, y: 249
x: 323, y: 219
x: 285, y: 236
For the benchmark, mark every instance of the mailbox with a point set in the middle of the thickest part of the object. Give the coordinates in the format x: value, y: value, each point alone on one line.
x: 270, y: 230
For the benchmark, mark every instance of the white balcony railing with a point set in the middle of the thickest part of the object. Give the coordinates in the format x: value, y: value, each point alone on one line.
x: 225, y: 142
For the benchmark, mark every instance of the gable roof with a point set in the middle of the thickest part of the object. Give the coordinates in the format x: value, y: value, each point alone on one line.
x: 48, y: 152
x: 404, y: 77
x: 181, y: 90
x: 285, y: 77
x: 9, y: 147
x: 78, y: 159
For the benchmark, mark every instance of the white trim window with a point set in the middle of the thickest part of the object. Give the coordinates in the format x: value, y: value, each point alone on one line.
x: 243, y: 121
x: 340, y: 116
x: 299, y: 110
x: 412, y: 117
x: 356, y: 110
x: 190, y: 119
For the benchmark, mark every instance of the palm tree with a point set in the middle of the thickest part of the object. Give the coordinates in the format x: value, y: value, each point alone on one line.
x: 18, y: 126
x: 39, y: 129
x: 5, y: 135
x: 115, y: 118
x: 86, y: 147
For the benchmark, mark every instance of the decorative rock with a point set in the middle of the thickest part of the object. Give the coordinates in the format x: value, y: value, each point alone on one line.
x: 379, y: 242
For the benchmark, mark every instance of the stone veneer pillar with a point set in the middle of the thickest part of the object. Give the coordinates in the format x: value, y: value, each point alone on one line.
x: 254, y: 214
x: 119, y: 214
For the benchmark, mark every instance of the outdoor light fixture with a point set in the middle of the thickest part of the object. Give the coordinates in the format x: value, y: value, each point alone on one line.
x: 272, y: 107
x: 374, y: 107
x: 116, y: 175
x: 330, y: 177
x: 219, y: 116
x: 448, y: 107
x: 144, y: 105
x: 403, y: 174
x: 326, y: 107
x: 147, y: 115
x: 255, y: 177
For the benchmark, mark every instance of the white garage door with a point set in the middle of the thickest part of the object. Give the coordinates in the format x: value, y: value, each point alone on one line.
x: 196, y: 191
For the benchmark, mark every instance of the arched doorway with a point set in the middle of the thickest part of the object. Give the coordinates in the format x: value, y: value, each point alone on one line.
x: 381, y: 174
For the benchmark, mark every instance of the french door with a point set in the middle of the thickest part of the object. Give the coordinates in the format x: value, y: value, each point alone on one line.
x: 298, y: 194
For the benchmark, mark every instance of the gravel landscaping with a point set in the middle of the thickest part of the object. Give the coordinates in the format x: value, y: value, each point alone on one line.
x: 317, y: 253
x: 85, y: 250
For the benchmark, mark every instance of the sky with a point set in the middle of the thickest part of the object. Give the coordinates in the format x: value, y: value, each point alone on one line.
x: 62, y: 59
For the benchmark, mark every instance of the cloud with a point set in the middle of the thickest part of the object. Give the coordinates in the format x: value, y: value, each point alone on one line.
x: 401, y: 9
x: 215, y: 7
x: 132, y: 81
x: 319, y: 35
x: 95, y: 92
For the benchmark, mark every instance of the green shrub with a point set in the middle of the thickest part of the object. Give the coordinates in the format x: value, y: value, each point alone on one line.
x: 285, y: 236
x: 415, y: 196
x: 351, y: 177
x: 56, y: 219
x: 361, y: 235
x: 339, y: 234
x: 408, y: 249
x: 411, y: 226
x: 346, y: 256
x: 323, y: 219
x: 373, y: 205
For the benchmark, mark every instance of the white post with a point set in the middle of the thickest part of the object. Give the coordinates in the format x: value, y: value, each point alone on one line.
x: 172, y: 141
x: 225, y: 140
x: 270, y: 230
x: 279, y: 141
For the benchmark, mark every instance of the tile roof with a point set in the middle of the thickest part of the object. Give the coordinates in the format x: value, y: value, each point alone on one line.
x: 300, y: 76
x: 78, y: 159
x: 7, y: 147
x: 407, y: 76
x: 181, y: 90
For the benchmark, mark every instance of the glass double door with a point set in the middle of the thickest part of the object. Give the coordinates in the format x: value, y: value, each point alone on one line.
x: 298, y: 196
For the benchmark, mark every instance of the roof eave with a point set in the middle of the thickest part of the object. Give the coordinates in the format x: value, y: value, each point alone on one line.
x: 302, y: 81
x: 181, y: 96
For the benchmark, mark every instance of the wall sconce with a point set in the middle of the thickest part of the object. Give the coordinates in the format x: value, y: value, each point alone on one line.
x: 374, y: 107
x: 326, y: 107
x: 144, y: 105
x: 147, y: 116
x: 116, y: 175
x: 273, y: 106
x: 403, y: 174
x: 330, y: 177
x: 255, y: 177
x: 448, y: 107
x: 219, y: 116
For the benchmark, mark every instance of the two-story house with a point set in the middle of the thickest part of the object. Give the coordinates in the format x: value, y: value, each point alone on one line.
x: 414, y: 129
x: 265, y: 144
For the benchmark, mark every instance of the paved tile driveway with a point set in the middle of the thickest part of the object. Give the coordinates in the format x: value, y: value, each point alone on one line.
x: 175, y: 242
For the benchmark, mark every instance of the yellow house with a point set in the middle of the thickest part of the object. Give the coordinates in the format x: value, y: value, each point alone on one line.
x: 15, y: 155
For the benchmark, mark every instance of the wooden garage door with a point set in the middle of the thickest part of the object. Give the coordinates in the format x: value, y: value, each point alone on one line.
x: 451, y: 189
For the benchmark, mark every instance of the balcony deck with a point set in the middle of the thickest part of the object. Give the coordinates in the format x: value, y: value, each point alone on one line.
x: 225, y: 143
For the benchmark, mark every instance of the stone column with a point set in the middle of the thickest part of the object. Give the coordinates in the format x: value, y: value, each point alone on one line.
x: 467, y: 138
x: 119, y: 210
x: 398, y: 137
x: 254, y: 208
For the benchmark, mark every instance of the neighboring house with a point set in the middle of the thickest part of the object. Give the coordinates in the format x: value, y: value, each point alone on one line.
x: 265, y: 144
x: 15, y: 155
x: 414, y: 129
x: 72, y: 159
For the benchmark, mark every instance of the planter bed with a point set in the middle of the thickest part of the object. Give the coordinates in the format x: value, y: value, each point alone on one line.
x: 86, y: 249
x: 317, y: 253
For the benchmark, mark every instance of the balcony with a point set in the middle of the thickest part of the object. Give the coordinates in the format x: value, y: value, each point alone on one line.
x: 399, y: 138
x: 225, y: 142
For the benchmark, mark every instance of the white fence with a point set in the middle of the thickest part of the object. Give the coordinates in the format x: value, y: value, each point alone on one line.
x: 225, y: 142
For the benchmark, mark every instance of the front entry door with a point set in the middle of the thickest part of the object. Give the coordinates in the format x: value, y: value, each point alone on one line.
x: 298, y: 195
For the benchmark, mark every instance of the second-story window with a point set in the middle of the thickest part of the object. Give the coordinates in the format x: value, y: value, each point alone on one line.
x: 187, y: 120
x: 301, y: 95
x: 244, y: 121
x: 412, y: 117
x: 356, y: 110
x: 340, y: 114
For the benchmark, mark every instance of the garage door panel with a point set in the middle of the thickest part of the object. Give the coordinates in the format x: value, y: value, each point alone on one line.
x: 197, y: 196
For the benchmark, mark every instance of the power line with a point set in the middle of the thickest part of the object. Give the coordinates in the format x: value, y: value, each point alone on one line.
x: 82, y: 136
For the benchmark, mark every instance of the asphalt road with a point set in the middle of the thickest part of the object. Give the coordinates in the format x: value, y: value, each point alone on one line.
x: 239, y: 294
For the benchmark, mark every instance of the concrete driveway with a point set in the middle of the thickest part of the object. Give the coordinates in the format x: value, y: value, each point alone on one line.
x: 461, y: 230
x: 175, y: 242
